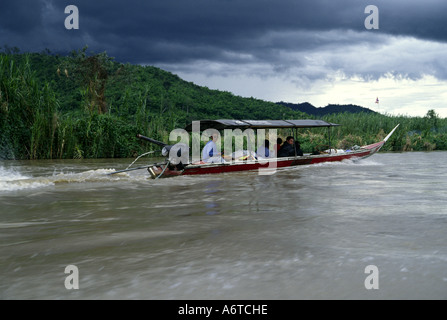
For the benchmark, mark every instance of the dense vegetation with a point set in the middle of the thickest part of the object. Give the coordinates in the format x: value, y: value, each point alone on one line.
x: 90, y: 106
x: 426, y: 133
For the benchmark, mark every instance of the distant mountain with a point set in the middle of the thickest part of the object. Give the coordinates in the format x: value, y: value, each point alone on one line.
x: 322, y: 111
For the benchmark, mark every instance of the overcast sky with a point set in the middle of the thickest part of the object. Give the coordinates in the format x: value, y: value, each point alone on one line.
x: 316, y: 51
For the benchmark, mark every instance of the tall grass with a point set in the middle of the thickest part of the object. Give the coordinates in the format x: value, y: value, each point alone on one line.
x: 28, y: 116
x: 414, y: 133
x: 32, y: 127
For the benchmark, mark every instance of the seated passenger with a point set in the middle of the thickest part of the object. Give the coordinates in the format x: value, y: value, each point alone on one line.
x: 277, y: 146
x: 210, y: 153
x: 288, y: 148
x: 264, y: 151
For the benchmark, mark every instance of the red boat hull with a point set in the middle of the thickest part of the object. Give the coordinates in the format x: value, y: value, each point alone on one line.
x: 214, y: 168
x: 265, y: 166
x: 242, y: 166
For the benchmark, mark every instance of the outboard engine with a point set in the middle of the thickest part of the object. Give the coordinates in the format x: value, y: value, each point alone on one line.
x: 177, y: 154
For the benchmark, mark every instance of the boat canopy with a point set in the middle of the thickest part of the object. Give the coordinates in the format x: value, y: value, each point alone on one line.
x: 259, y: 124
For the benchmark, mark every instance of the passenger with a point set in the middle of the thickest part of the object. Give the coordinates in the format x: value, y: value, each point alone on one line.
x: 288, y: 148
x: 210, y: 154
x: 277, y: 146
x: 264, y: 151
x: 299, y: 152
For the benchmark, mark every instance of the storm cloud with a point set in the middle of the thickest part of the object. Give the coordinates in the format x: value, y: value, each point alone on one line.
x: 295, y: 41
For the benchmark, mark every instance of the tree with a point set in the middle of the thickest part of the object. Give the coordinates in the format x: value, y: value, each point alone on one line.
x: 432, y: 119
x: 92, y: 74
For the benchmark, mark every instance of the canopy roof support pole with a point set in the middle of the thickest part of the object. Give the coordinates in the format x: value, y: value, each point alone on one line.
x: 329, y: 135
x: 294, y: 141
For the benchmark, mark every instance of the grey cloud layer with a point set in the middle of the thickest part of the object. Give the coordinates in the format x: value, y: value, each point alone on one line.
x: 282, y: 33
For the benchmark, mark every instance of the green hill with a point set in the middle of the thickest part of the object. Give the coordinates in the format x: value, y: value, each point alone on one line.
x: 98, y: 106
x: 127, y: 86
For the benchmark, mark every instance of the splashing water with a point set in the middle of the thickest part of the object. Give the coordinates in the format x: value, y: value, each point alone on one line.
x: 11, y: 180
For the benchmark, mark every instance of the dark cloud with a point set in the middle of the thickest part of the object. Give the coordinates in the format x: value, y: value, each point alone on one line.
x: 419, y: 19
x: 281, y: 33
x: 145, y: 26
x: 20, y: 16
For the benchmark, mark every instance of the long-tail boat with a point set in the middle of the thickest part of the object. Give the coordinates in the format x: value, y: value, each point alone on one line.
x: 178, y: 160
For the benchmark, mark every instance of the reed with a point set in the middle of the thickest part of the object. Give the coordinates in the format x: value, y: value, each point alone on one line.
x: 29, y: 117
x: 414, y: 133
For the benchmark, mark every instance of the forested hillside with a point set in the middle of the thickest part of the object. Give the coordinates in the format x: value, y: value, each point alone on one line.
x: 122, y: 88
x: 90, y: 106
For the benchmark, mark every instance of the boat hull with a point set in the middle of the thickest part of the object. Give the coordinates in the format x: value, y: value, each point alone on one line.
x: 271, y: 164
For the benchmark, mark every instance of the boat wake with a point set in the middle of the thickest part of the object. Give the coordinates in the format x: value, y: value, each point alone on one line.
x: 348, y: 162
x: 11, y: 180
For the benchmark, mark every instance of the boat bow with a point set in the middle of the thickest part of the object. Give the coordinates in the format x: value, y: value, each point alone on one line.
x: 375, y: 147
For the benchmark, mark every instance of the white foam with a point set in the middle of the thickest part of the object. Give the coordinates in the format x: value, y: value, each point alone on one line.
x: 347, y: 162
x: 11, y: 180
x: 10, y: 175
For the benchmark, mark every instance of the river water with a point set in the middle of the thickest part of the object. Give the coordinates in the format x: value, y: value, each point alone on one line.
x: 308, y: 232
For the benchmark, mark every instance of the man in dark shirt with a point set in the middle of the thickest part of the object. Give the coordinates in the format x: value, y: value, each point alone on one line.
x: 288, y: 148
